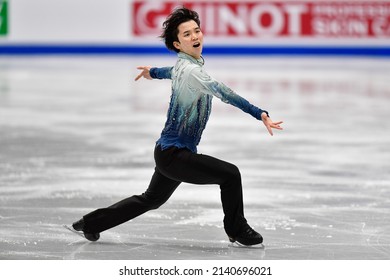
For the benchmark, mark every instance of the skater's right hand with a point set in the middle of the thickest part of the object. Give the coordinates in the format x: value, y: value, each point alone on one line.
x: 145, y: 73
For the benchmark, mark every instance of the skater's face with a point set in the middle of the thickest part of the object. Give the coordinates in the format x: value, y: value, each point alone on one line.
x: 190, y: 39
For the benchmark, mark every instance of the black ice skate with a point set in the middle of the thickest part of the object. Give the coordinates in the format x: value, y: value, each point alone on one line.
x: 78, y: 228
x: 247, y: 236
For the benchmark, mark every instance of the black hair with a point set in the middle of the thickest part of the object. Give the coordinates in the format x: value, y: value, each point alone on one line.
x: 171, y: 24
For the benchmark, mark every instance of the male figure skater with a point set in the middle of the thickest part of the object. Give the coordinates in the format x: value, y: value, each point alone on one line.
x: 175, y: 152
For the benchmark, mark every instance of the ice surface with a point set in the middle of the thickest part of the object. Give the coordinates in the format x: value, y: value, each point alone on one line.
x: 77, y: 133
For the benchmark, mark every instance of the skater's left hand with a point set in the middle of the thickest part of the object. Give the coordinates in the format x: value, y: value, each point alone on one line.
x: 269, y: 124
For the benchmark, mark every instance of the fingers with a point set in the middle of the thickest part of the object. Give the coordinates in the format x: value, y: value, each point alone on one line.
x: 276, y: 126
x: 270, y: 125
x: 142, y: 74
x: 139, y: 76
x: 270, y: 130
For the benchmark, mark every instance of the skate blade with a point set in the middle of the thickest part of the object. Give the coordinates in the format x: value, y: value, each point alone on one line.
x: 74, y: 231
x: 237, y: 244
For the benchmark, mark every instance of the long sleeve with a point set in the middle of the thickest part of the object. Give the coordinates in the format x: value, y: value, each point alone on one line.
x: 199, y: 80
x: 161, y: 73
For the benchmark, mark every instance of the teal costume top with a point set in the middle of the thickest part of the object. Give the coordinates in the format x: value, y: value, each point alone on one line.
x: 190, y: 106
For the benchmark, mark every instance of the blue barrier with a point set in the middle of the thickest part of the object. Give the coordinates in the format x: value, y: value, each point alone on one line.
x: 208, y: 50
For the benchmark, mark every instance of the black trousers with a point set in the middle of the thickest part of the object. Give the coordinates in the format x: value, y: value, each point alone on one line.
x: 173, y: 166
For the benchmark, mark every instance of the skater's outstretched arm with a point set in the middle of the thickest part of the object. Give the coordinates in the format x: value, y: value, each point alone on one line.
x: 150, y: 73
x: 200, y: 81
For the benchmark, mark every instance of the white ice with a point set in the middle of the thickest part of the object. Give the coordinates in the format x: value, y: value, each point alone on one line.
x: 77, y: 133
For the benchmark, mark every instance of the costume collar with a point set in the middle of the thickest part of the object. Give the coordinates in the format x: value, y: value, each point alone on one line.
x: 199, y: 61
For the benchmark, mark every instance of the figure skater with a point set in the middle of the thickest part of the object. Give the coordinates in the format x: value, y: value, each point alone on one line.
x: 175, y: 153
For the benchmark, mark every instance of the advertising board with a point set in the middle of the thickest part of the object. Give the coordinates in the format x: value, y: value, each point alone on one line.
x: 247, y: 26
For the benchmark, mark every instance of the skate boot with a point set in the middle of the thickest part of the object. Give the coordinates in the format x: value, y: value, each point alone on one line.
x: 79, y: 226
x: 247, y: 236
